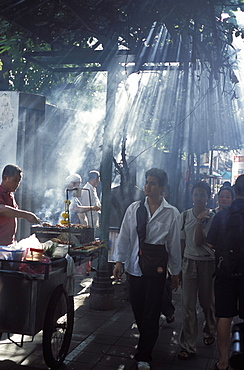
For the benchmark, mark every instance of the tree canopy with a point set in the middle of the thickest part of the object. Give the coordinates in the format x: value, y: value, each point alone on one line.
x: 45, y: 44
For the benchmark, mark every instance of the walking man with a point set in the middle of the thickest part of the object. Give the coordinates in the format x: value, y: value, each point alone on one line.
x: 162, y: 244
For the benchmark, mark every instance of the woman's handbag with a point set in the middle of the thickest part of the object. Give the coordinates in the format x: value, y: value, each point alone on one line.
x: 153, y: 258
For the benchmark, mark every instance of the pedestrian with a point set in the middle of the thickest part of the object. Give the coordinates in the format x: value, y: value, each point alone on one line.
x: 150, y: 227
x: 225, y: 197
x: 9, y: 211
x: 197, y: 272
x: 226, y: 236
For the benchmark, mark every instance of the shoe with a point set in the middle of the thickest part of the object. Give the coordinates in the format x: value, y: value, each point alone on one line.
x: 216, y: 366
x: 142, y: 365
x: 170, y: 319
x: 208, y: 341
x: 184, y: 355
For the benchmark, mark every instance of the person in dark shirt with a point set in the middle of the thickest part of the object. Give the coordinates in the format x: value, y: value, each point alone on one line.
x: 226, y: 236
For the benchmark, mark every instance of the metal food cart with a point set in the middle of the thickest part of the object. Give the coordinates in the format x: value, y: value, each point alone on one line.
x: 44, y: 233
x: 31, y: 303
x: 34, y: 302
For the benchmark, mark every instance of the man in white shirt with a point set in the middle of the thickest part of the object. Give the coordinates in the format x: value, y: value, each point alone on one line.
x: 146, y: 292
x: 89, y: 197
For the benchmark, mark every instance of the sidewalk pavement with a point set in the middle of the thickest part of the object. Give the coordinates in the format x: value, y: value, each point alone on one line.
x: 104, y: 340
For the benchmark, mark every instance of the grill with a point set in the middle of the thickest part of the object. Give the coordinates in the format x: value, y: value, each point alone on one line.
x: 44, y: 233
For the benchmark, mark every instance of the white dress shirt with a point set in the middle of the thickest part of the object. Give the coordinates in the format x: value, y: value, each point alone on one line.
x: 85, y: 200
x: 162, y: 228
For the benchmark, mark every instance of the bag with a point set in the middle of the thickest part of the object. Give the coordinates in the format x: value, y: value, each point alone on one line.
x: 184, y: 220
x: 153, y: 259
x: 229, y: 255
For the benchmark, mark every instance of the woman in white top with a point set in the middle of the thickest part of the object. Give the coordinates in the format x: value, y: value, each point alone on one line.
x: 197, y: 273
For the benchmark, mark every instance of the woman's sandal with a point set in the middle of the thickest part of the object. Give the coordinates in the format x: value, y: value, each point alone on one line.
x: 216, y: 366
x: 208, y: 341
x: 184, y: 355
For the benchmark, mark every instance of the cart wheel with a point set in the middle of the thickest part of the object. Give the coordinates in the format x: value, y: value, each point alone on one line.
x: 58, y: 327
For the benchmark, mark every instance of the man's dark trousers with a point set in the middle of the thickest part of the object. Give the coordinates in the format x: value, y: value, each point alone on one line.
x: 146, y: 294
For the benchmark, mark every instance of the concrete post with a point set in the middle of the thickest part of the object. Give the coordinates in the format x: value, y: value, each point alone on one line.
x: 102, y: 292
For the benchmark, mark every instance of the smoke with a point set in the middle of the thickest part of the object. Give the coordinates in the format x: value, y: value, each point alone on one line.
x: 163, y: 112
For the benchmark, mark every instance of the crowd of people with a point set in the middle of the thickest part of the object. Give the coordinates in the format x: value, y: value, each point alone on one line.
x: 200, y: 249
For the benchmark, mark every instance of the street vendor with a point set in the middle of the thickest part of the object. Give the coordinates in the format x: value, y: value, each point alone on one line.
x: 89, y: 197
x: 9, y: 211
x: 77, y: 210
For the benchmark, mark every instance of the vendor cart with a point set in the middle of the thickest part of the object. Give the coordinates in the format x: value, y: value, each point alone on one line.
x: 34, y: 302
